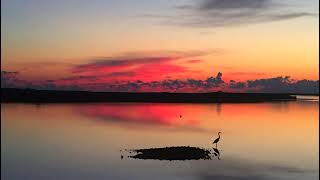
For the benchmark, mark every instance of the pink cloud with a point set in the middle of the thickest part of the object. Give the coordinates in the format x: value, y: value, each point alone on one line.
x: 100, y: 66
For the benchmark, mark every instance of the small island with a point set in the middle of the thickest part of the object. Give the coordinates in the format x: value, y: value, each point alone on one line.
x: 172, y: 153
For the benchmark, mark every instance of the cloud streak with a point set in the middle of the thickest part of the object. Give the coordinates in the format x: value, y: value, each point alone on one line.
x: 139, y: 65
x: 134, y: 59
x: 232, y: 4
x: 111, y: 64
x: 222, y: 13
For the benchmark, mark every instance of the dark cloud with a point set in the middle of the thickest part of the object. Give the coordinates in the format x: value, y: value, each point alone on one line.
x: 76, y: 78
x: 142, y: 60
x: 177, y: 85
x: 118, y: 63
x: 214, y: 82
x: 236, y: 85
x: 232, y: 4
x: 124, y: 73
x: 284, y: 85
x: 172, y: 53
x: 9, y: 72
x: 7, y: 78
x: 194, y: 61
x: 218, y: 13
x: 211, y: 84
x: 10, y: 79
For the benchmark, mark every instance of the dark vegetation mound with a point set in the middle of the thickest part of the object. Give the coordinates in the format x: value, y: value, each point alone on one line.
x: 172, y: 153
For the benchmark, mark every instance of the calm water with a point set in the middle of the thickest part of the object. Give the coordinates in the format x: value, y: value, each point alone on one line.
x: 83, y: 141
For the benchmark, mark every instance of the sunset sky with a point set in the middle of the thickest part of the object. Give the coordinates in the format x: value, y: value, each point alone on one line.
x: 98, y: 43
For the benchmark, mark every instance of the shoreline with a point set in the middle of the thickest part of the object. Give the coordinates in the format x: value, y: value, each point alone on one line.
x: 11, y: 95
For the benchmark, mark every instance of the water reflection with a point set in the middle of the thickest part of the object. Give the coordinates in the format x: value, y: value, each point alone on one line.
x: 82, y: 141
x: 218, y: 108
x: 240, y: 169
x: 216, y: 152
x: 141, y: 113
x: 173, y: 116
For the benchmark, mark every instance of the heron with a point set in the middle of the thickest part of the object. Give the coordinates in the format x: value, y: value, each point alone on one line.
x: 217, y: 140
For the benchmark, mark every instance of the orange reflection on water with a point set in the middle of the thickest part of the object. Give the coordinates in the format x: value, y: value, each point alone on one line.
x: 284, y: 132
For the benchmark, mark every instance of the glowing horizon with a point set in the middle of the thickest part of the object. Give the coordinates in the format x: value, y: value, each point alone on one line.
x: 125, y: 41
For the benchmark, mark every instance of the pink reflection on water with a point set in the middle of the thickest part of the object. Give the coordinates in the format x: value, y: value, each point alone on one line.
x: 160, y: 114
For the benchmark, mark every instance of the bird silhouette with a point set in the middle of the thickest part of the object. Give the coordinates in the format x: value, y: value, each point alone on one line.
x: 217, y: 140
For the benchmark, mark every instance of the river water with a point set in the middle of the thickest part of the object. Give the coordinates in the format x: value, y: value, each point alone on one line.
x: 86, y: 141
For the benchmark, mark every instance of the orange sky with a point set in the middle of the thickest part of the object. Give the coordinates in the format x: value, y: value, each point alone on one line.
x: 46, y: 41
